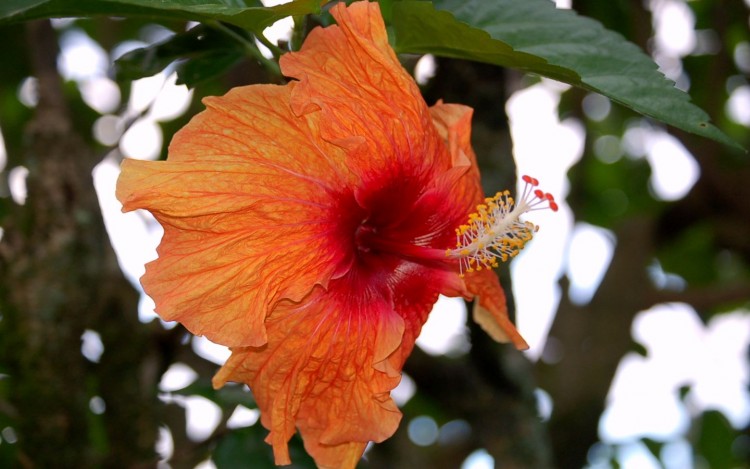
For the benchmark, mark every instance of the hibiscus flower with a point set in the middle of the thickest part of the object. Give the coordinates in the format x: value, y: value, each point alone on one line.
x: 310, y: 227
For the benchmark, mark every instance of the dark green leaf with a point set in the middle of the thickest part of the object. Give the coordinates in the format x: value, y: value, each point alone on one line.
x: 205, y: 67
x: 245, y: 447
x: 715, y: 439
x: 204, y: 53
x: 535, y: 37
x: 230, y: 11
x: 653, y: 446
x: 605, y: 194
x: 240, y: 447
x: 696, y: 243
x: 228, y: 396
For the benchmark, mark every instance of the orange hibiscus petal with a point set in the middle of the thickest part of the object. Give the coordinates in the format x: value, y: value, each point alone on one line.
x: 453, y: 124
x: 370, y: 104
x: 246, y: 203
x: 490, y: 310
x: 316, y: 373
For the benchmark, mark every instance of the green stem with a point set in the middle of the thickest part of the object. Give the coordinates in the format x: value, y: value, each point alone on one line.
x: 276, y: 50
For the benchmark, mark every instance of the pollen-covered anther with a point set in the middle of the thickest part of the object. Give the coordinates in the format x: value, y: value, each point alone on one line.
x: 495, y: 231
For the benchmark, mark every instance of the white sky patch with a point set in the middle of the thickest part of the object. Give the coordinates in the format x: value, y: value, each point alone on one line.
x: 642, y: 403
x: 164, y: 444
x: 674, y: 171
x: 144, y: 91
x: 100, y: 94
x: 81, y: 57
x: 153, y: 33
x: 596, y: 107
x: 544, y: 404
x: 134, y: 235
x: 61, y: 23
x: 404, y: 391
x: 636, y: 139
x: 124, y: 47
x: 243, y: 417
x: 97, y: 91
x: 210, y: 351
x: 91, y: 345
x: 423, y: 430
x: 742, y: 56
x: 156, y: 99
x: 677, y: 454
x: 738, y: 105
x: 479, y: 459
x: 280, y: 30
x: 3, y: 152
x: 425, y: 69
x: 445, y: 329
x: 636, y: 455
x: 671, y: 67
x: 644, y: 396
x: 17, y: 184
x: 172, y: 101
x: 203, y: 416
x: 142, y: 141
x: 588, y: 257
x: 147, y: 311
x: 97, y: 405
x: 28, y: 93
x: 273, y: 3
x: 178, y: 376
x: 207, y: 464
x: 608, y: 148
x: 263, y: 49
x: 674, y: 26
x: 544, y: 148
x: 723, y: 373
x: 108, y: 129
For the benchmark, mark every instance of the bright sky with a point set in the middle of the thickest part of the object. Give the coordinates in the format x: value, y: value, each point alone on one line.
x: 643, y: 400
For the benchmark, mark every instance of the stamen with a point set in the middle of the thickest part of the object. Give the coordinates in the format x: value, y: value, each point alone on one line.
x: 496, y: 232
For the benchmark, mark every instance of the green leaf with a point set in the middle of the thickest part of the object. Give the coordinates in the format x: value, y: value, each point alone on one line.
x: 204, y: 53
x: 698, y: 244
x: 715, y: 438
x: 226, y: 397
x: 205, y: 67
x: 244, y: 447
x: 230, y: 11
x: 535, y: 37
x: 239, y: 447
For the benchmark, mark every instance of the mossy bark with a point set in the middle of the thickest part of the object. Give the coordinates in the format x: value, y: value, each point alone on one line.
x: 59, y: 277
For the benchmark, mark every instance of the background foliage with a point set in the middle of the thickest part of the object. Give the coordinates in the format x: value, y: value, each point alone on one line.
x: 59, y: 277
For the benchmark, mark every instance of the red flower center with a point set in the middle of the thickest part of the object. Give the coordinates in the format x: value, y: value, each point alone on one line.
x: 393, y: 221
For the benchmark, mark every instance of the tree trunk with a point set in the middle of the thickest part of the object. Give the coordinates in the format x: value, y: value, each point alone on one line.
x: 60, y: 278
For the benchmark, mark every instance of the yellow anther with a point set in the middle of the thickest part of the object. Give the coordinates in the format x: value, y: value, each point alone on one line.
x: 495, y: 232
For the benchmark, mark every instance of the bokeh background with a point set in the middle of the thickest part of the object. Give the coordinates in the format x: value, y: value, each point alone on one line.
x: 635, y: 296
